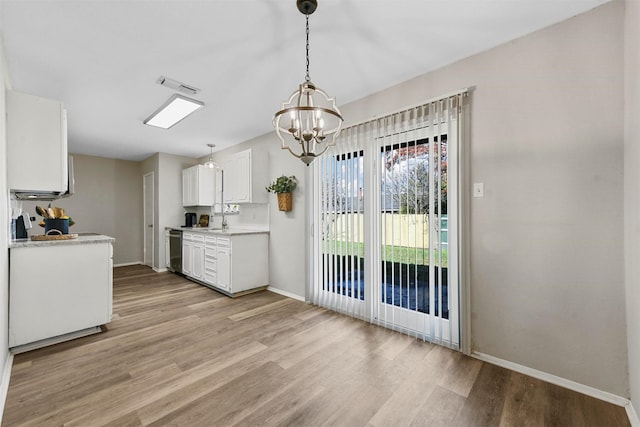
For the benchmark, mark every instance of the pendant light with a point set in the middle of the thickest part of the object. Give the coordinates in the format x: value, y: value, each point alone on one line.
x: 210, y: 163
x: 309, y: 121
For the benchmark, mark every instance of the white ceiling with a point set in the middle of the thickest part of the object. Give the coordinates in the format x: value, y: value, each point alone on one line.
x: 102, y: 58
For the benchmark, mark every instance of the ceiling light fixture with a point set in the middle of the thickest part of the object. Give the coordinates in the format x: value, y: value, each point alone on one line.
x: 309, y: 122
x: 210, y: 163
x: 173, y: 111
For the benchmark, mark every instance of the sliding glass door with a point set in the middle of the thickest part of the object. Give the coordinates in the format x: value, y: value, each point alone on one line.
x: 414, y: 250
x: 387, y: 222
x: 340, y: 242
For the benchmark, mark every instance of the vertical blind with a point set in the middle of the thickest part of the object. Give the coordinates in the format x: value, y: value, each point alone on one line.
x: 386, y: 225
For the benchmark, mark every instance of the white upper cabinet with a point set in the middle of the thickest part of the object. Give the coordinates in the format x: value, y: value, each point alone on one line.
x: 36, y: 144
x: 245, y: 178
x: 198, y: 186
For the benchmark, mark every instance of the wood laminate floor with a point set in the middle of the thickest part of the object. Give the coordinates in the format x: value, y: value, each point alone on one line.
x: 179, y: 354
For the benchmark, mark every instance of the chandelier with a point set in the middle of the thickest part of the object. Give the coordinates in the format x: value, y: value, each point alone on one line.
x: 308, y: 122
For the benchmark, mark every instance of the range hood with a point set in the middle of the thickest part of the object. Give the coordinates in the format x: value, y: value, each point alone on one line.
x: 49, y: 195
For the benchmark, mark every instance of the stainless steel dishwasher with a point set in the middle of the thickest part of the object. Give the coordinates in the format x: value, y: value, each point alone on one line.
x: 175, y: 251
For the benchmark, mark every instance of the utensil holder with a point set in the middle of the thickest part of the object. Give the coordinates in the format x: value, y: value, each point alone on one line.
x: 60, y: 225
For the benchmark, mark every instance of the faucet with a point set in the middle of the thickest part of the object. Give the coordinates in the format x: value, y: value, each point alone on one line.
x: 216, y: 166
x: 224, y: 220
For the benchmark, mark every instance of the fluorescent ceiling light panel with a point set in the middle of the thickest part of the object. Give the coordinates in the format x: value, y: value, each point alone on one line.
x: 173, y: 111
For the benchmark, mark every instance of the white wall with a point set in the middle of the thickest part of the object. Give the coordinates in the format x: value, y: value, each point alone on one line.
x: 547, y: 273
x: 107, y: 200
x: 632, y: 194
x: 287, y: 229
x: 171, y: 212
x: 168, y: 211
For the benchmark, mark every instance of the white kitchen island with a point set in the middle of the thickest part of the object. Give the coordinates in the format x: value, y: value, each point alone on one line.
x: 59, y: 290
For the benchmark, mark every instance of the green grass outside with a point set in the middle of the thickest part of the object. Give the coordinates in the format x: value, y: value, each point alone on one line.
x: 397, y: 254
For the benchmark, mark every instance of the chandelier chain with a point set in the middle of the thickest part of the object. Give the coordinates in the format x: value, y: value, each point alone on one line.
x: 307, y: 78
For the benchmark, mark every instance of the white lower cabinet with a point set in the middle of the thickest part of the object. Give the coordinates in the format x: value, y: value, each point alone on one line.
x: 193, y: 255
x: 57, y: 289
x: 233, y: 265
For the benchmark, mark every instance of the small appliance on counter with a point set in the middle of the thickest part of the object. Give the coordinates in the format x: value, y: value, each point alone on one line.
x: 190, y: 219
x: 20, y: 223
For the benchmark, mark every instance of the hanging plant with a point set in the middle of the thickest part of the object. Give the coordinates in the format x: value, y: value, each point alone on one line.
x: 283, y: 186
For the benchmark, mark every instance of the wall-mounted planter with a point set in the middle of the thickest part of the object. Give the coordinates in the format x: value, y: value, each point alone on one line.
x: 283, y: 186
x: 285, y: 202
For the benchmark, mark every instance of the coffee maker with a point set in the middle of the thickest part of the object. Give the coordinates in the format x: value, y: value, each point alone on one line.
x: 190, y: 219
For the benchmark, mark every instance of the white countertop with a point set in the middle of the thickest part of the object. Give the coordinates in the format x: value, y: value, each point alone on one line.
x: 80, y: 240
x: 218, y: 232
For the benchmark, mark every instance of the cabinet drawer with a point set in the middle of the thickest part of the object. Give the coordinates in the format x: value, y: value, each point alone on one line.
x: 187, y: 236
x: 198, y: 238
x: 210, y: 253
x: 210, y: 277
x: 224, y: 241
x: 210, y: 240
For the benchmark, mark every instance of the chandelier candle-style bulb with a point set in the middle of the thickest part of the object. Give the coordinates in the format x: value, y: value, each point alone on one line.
x: 309, y: 122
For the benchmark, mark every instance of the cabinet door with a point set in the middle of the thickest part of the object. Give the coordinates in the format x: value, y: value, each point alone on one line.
x: 187, y: 197
x: 217, y: 201
x: 243, y: 177
x: 198, y: 187
x: 36, y: 143
x: 229, y: 170
x: 224, y: 268
x: 237, y: 178
x: 187, y: 258
x: 205, y: 186
x: 198, y: 261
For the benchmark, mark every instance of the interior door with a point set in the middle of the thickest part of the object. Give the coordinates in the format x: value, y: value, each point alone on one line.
x: 149, y: 228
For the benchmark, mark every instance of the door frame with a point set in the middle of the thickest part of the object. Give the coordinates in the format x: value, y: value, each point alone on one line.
x: 144, y: 219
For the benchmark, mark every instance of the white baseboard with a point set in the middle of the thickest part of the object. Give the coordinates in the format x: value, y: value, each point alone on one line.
x: 285, y: 293
x: 4, y: 384
x: 126, y: 264
x: 633, y: 415
x: 553, y: 379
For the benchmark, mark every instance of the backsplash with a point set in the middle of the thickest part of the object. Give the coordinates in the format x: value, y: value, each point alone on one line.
x: 253, y: 216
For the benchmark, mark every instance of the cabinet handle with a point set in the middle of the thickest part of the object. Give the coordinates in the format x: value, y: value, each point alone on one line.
x: 150, y: 225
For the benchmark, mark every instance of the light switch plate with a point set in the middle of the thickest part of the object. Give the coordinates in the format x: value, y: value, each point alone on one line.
x: 478, y: 189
